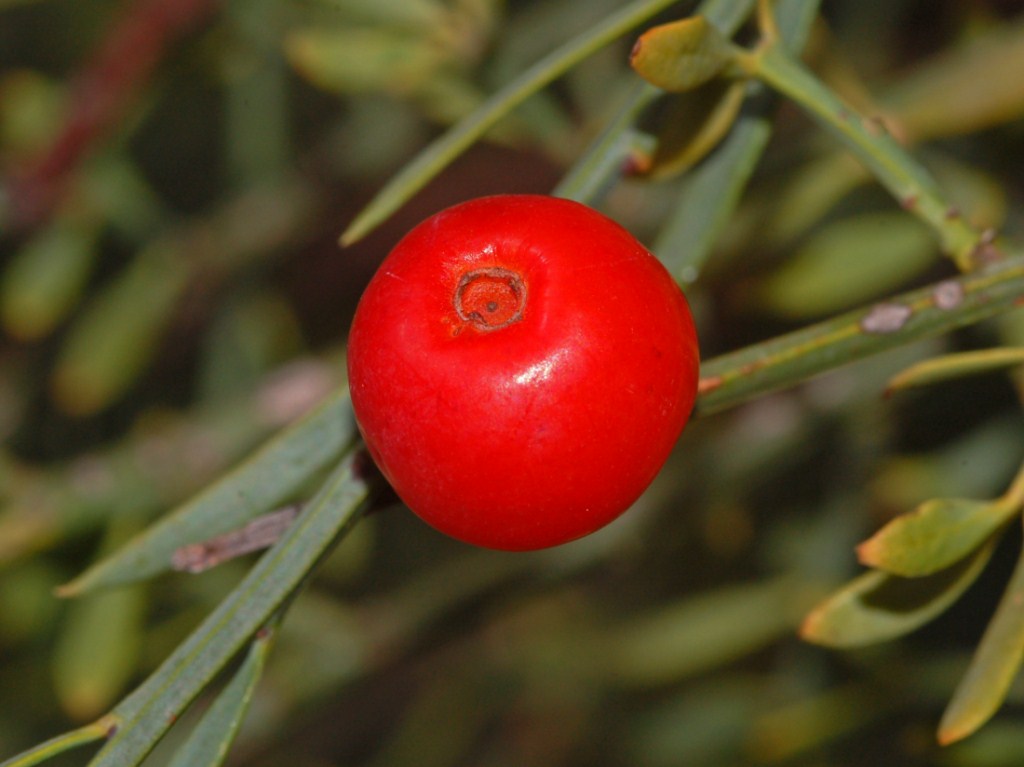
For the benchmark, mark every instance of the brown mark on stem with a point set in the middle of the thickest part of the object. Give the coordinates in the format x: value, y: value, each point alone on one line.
x: 948, y: 295
x: 875, y: 126
x: 706, y: 385
x: 887, y: 317
x: 261, y: 533
x: 986, y: 252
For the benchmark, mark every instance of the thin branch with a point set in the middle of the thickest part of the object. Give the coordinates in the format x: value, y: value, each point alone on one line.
x: 787, y: 360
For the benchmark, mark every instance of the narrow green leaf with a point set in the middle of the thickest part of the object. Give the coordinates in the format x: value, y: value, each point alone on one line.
x: 935, y: 535
x: 993, y: 667
x: 363, y: 59
x: 712, y: 190
x: 210, y: 741
x: 876, y: 606
x: 970, y: 75
x: 34, y: 108
x: 439, y: 154
x: 44, y: 280
x: 411, y: 14
x: 682, y: 55
x: 269, y: 478
x: 99, y: 644
x: 150, y: 710
x: 156, y: 466
x: 709, y: 197
x: 702, y: 632
x: 117, y: 187
x: 848, y: 262
x: 976, y: 192
x: 953, y: 366
x: 809, y: 193
x: 602, y: 163
x: 54, y: 746
x: 98, y: 650
x: 999, y: 744
x: 906, y: 179
x: 449, y: 704
x: 794, y: 731
x: 694, y: 124
x: 117, y: 336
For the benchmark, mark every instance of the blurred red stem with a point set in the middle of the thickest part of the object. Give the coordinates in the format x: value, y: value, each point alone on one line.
x: 99, y: 95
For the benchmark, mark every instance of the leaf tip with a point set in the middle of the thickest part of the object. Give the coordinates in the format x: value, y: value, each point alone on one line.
x: 868, y: 553
x: 68, y: 590
x: 78, y: 586
x: 951, y: 732
x: 810, y: 628
x: 637, y: 50
x: 349, y: 237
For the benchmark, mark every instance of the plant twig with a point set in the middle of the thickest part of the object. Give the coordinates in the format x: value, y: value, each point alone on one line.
x: 98, y: 730
x: 432, y: 160
x: 736, y: 377
x: 279, y: 574
x: 870, y: 141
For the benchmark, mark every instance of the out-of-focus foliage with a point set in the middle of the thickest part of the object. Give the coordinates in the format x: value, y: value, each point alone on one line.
x: 174, y: 176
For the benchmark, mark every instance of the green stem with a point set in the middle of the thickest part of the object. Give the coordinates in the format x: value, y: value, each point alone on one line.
x: 602, y: 164
x: 868, y: 139
x: 766, y: 22
x: 733, y: 378
x: 273, y: 581
x: 98, y: 730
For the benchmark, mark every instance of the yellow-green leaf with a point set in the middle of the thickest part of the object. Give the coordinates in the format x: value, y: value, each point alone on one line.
x: 993, y: 667
x: 877, y: 606
x: 682, y: 55
x: 963, y: 89
x: 98, y: 650
x: 810, y: 192
x: 117, y: 336
x: 933, y: 536
x: 31, y: 108
x: 702, y: 632
x: 693, y: 124
x: 849, y: 262
x: 363, y: 59
x: 957, y: 366
x: 44, y: 280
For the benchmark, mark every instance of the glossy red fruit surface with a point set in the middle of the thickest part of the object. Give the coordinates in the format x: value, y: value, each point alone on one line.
x: 520, y: 368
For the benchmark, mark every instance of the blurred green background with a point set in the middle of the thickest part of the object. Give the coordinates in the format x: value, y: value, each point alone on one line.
x: 174, y: 175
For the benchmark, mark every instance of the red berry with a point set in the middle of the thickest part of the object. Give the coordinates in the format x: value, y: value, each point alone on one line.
x: 520, y: 368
